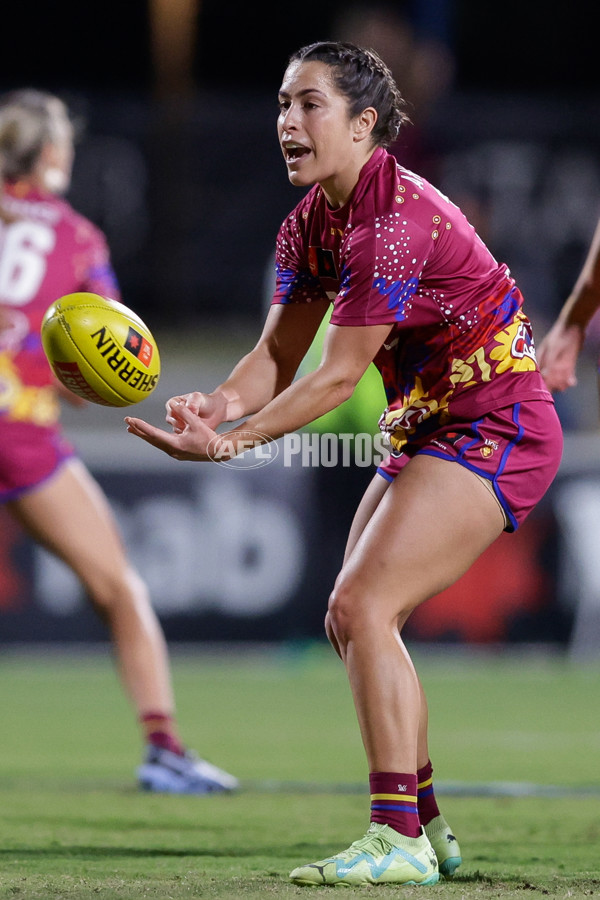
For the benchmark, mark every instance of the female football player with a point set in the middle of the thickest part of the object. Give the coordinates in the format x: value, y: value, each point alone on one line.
x: 474, y: 436
x: 48, y: 250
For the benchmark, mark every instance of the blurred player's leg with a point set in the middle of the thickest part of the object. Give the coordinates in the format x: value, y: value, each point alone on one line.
x: 70, y: 516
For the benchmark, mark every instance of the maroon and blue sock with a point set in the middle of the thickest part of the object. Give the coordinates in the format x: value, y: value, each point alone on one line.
x: 160, y: 731
x: 394, y: 801
x: 426, y: 802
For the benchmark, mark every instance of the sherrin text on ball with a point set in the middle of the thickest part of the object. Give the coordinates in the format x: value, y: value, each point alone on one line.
x: 100, y: 349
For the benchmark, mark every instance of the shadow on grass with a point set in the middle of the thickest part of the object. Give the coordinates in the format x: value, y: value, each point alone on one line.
x: 99, y: 852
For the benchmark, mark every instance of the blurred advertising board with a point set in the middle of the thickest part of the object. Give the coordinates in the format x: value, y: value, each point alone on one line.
x: 251, y: 553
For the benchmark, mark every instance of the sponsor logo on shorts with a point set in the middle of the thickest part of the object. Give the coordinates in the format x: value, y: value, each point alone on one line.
x: 451, y: 439
x: 488, y: 448
x: 440, y: 444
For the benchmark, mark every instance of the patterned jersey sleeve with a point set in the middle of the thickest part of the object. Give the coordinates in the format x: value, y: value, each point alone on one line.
x: 295, y: 282
x: 381, y: 271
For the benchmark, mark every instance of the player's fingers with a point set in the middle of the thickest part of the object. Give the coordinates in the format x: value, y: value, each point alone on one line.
x: 172, y: 406
x: 172, y: 444
x: 155, y: 436
x: 174, y: 419
x: 195, y: 402
x: 559, y: 383
x: 184, y: 413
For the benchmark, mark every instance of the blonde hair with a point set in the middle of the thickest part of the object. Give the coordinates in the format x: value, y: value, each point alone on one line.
x: 29, y: 120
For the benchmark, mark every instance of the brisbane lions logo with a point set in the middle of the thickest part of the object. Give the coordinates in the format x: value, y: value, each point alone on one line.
x: 522, y: 345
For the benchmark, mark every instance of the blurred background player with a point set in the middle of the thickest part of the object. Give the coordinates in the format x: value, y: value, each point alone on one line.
x: 560, y: 348
x: 48, y: 250
x: 423, y: 64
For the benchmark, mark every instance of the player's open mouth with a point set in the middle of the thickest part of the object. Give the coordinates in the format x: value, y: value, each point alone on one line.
x: 294, y: 152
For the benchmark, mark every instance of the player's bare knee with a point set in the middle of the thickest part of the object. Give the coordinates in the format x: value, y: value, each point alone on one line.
x: 116, y: 591
x: 331, y: 636
x: 345, y: 613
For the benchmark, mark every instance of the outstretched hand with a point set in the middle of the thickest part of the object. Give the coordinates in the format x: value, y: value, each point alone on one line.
x: 191, y: 439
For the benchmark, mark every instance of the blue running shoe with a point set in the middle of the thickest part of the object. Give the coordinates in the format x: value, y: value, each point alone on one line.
x: 166, y: 772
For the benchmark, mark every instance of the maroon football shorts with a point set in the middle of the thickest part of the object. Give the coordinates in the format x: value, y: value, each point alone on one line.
x: 516, y: 449
x: 29, y: 454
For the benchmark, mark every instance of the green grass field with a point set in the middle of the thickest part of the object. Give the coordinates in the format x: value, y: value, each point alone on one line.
x: 515, y: 742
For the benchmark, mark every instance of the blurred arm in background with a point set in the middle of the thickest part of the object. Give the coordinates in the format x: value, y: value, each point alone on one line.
x: 560, y: 348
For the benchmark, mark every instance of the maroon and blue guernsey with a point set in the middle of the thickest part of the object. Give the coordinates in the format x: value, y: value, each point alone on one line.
x: 47, y: 250
x: 402, y: 253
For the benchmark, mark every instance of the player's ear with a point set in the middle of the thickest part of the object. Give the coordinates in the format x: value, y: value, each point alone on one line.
x: 364, y: 123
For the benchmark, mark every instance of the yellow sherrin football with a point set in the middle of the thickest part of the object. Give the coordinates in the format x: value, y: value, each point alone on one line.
x: 100, y: 349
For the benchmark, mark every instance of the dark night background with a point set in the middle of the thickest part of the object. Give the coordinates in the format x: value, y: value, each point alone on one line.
x: 524, y: 45
x: 161, y: 167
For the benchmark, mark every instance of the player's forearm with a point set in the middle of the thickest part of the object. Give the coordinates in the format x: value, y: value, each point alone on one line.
x: 581, y: 306
x: 584, y: 299
x: 304, y: 401
x: 253, y: 383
